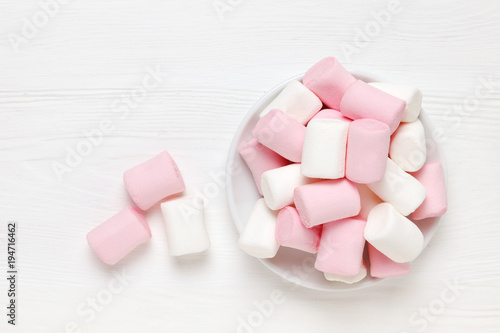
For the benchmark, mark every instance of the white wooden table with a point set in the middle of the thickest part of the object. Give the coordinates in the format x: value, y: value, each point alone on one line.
x: 65, y: 74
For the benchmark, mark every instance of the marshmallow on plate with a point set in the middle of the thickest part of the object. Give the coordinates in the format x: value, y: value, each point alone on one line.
x: 330, y: 114
x: 259, y: 159
x: 399, y: 188
x: 329, y: 81
x: 393, y: 234
x: 153, y: 180
x: 410, y: 94
x: 326, y: 200
x: 296, y: 101
x: 185, y: 223
x: 258, y: 237
x: 435, y: 204
x: 278, y: 185
x: 119, y: 235
x: 368, y: 200
x: 364, y: 101
x: 341, y: 247
x: 290, y: 231
x: 324, y: 149
x: 408, y: 146
x: 348, y: 279
x: 281, y: 133
x: 367, y: 150
x: 383, y: 267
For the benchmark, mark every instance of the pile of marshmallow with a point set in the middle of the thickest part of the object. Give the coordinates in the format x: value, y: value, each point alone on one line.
x: 341, y: 164
x: 147, y: 184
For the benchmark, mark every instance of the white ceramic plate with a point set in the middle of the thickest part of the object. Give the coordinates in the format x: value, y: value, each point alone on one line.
x: 290, y: 264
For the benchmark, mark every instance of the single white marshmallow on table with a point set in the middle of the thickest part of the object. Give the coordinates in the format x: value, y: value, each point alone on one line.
x: 324, y: 150
x: 258, y: 237
x: 393, y: 234
x: 347, y: 279
x: 400, y: 189
x: 278, y: 185
x: 185, y: 223
x: 368, y: 200
x: 410, y: 94
x: 297, y: 101
x: 408, y: 148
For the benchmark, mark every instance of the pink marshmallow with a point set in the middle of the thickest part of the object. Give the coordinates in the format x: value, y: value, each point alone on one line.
x: 367, y: 150
x: 383, y: 267
x: 290, y: 231
x: 329, y: 81
x: 119, y: 235
x: 431, y: 175
x: 341, y: 247
x: 330, y: 114
x: 260, y: 159
x: 153, y: 180
x: 326, y: 201
x: 364, y: 101
x: 281, y: 133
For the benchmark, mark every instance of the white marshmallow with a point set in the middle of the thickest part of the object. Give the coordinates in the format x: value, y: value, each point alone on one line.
x: 278, y: 185
x: 258, y: 237
x: 408, y: 146
x: 400, y: 189
x: 324, y: 151
x: 410, y: 94
x: 368, y: 200
x: 297, y: 101
x: 347, y: 279
x: 393, y: 234
x: 185, y: 223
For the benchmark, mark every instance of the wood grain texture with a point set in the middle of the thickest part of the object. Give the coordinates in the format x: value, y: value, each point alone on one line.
x: 63, y: 82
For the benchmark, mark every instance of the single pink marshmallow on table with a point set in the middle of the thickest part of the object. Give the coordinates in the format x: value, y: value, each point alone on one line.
x: 367, y: 150
x: 153, y: 180
x: 329, y: 81
x: 119, y: 235
x: 281, y: 133
x: 383, y: 267
x: 330, y: 114
x: 260, y: 159
x: 326, y: 201
x: 364, y: 101
x: 431, y: 175
x: 290, y: 231
x: 341, y: 247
